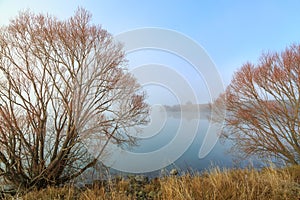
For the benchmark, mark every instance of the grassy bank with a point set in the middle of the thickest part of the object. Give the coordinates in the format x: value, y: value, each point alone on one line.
x: 245, y: 184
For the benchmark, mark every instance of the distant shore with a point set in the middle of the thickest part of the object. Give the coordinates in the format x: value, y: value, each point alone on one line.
x: 188, y: 108
x: 188, y: 111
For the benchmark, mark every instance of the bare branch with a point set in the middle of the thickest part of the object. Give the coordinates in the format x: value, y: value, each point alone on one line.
x: 62, y: 82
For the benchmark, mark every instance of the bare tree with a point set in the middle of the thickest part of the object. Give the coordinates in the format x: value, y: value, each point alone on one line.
x: 62, y: 82
x: 263, y: 105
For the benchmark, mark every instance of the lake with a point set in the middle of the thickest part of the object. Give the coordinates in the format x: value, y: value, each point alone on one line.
x: 173, y: 140
x: 189, y: 160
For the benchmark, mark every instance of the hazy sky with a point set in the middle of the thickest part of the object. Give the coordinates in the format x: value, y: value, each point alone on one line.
x: 232, y: 32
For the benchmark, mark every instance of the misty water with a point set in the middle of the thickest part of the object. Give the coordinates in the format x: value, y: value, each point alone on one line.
x: 174, y: 142
x: 174, y: 129
x: 189, y: 160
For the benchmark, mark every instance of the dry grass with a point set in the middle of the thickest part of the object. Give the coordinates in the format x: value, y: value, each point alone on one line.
x: 233, y: 184
x: 216, y: 184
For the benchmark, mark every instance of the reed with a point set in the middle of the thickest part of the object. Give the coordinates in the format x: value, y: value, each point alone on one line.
x: 216, y: 183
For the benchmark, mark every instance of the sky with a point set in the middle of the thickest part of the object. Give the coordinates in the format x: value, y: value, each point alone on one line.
x: 231, y: 32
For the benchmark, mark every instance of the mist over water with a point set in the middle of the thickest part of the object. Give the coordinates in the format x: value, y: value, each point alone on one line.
x: 189, y: 160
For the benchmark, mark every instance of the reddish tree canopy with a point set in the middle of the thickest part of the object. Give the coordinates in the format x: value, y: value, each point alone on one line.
x: 62, y: 82
x: 262, y: 107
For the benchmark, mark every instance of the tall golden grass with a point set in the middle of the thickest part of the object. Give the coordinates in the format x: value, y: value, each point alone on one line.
x: 216, y: 184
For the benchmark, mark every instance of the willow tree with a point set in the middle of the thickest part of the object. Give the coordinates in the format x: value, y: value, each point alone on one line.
x: 62, y: 82
x: 263, y: 107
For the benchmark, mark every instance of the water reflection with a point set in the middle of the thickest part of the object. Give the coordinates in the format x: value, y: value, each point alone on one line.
x: 189, y: 115
x: 184, y: 146
x: 189, y: 159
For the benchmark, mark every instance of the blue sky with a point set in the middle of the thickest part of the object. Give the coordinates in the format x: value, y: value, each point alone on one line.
x: 232, y: 32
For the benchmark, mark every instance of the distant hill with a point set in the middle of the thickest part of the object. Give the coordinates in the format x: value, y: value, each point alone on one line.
x: 188, y: 108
